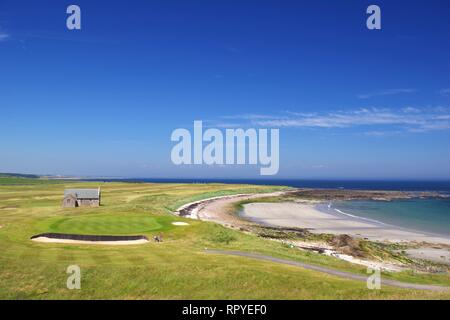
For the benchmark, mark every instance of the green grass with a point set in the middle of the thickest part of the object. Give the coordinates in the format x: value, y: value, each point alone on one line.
x: 110, y: 225
x: 174, y: 269
x: 25, y: 179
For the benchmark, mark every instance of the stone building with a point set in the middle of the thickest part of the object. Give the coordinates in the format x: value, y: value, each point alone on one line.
x: 81, y: 198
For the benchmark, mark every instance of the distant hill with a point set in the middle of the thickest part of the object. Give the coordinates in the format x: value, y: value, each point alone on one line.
x: 25, y: 179
x: 19, y: 175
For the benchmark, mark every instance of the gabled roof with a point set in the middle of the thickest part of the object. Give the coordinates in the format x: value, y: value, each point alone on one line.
x: 83, y: 193
x: 71, y: 196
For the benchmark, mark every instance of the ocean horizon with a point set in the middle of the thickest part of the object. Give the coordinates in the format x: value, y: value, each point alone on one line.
x: 389, y: 185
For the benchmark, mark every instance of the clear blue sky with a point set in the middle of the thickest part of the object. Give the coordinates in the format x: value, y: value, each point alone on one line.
x: 349, y: 102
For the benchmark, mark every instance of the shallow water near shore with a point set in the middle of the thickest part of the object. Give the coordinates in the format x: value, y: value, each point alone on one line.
x: 427, y: 215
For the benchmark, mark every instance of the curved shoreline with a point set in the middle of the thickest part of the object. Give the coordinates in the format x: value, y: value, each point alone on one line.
x: 217, y: 210
x: 302, y: 215
x: 192, y: 209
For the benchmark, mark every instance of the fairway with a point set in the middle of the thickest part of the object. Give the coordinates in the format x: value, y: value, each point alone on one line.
x: 110, y: 225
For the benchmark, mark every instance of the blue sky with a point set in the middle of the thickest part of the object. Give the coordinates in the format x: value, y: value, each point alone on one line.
x: 349, y: 102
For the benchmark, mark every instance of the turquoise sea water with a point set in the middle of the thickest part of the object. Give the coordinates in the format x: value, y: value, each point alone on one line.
x: 428, y: 215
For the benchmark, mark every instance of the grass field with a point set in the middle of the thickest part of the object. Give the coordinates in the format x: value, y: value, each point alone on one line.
x: 110, y: 224
x: 174, y: 269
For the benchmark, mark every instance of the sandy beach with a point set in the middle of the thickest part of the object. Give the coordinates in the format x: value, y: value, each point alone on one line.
x: 301, y: 215
x: 305, y: 214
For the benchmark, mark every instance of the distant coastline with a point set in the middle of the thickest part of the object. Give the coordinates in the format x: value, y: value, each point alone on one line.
x: 388, y: 185
x: 441, y: 186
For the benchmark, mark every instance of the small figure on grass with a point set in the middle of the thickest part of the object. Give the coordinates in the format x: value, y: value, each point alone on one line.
x: 158, y: 238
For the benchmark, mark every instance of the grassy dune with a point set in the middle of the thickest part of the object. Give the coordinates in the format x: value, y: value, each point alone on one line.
x: 174, y: 269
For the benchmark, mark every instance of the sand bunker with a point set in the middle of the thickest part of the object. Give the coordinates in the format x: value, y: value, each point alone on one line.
x: 180, y: 223
x: 88, y: 239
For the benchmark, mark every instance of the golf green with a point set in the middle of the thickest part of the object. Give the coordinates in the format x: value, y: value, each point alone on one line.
x: 109, y: 225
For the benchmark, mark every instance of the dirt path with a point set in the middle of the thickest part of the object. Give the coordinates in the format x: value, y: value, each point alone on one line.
x: 341, y: 274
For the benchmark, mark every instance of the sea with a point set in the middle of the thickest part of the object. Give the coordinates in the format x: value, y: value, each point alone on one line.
x: 399, y: 185
x: 431, y: 215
